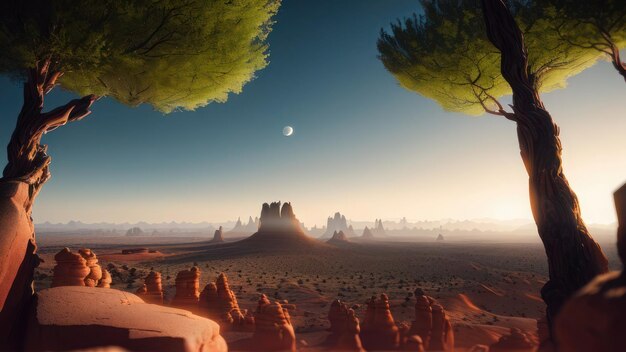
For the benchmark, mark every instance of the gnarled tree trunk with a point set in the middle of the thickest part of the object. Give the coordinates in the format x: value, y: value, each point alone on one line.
x: 574, y: 257
x: 23, y: 177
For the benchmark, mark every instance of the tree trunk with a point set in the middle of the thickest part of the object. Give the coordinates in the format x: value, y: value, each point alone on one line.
x: 617, y: 61
x: 23, y: 177
x: 574, y: 257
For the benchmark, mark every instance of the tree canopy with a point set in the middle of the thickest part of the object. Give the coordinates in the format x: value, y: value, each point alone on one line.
x: 598, y: 25
x: 444, y: 54
x: 171, y: 54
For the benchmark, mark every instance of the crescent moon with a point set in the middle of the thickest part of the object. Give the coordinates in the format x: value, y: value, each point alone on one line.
x: 287, y: 131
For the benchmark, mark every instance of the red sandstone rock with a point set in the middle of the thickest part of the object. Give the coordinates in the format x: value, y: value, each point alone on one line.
x: 413, y: 343
x: 218, y: 236
x: 344, y: 328
x: 187, y: 289
x: 71, y: 269
x: 442, y: 336
x: 152, y: 290
x: 379, y: 331
x: 95, y: 271
x: 273, y: 330
x: 516, y: 341
x: 18, y: 259
x: 219, y: 303
x: 106, y: 280
x: 423, y: 323
x: 64, y: 320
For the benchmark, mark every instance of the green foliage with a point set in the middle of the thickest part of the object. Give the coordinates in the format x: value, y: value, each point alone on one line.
x: 168, y: 53
x: 593, y: 25
x: 444, y: 55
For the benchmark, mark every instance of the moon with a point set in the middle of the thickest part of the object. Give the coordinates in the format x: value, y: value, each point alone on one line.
x: 287, y: 131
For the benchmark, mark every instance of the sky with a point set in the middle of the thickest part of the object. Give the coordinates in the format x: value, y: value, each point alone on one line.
x: 362, y: 145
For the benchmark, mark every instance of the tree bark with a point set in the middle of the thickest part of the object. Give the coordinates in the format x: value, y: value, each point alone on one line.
x: 617, y: 61
x: 23, y: 177
x: 574, y: 257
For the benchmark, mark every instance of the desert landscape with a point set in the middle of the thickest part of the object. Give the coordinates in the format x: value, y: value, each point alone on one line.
x: 486, y: 287
x: 269, y: 175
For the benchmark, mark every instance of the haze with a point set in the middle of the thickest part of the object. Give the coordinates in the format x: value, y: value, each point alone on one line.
x: 363, y: 146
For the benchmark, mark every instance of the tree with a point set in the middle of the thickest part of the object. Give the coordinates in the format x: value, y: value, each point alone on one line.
x: 171, y: 54
x: 598, y: 25
x: 446, y: 55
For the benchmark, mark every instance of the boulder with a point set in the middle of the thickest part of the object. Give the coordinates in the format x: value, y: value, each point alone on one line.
x: 71, y: 269
x: 379, y: 331
x: 516, y: 341
x: 106, y: 280
x: 95, y: 271
x: 273, y: 330
x: 63, y: 319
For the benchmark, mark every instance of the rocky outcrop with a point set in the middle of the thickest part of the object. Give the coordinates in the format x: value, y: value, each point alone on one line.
x: 379, y: 331
x: 337, y: 223
x: 18, y: 259
x: 134, y: 231
x: 218, y: 302
x: 338, y: 237
x: 95, y: 271
x: 106, y: 280
x: 187, y: 289
x: 71, y: 269
x: 441, y: 336
x: 594, y: 319
x: 252, y: 226
x: 431, y: 324
x: 64, y: 320
x: 516, y: 341
x: 423, y: 323
x: 367, y: 233
x: 440, y: 237
x: 277, y: 219
x: 273, y: 330
x: 378, y: 229
x: 218, y: 236
x: 344, y: 328
x: 152, y: 289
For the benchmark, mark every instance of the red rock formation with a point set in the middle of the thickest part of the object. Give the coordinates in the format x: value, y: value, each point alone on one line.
x: 106, y: 280
x: 219, y: 303
x: 344, y: 328
x: 273, y: 330
x: 594, y: 319
x: 423, y: 323
x: 442, y: 336
x: 70, y: 270
x: 516, y: 341
x: 152, y: 289
x: 18, y: 259
x: 65, y: 320
x: 379, y: 331
x: 95, y: 271
x: 218, y: 236
x: 413, y: 343
x: 187, y: 289
x: 338, y: 237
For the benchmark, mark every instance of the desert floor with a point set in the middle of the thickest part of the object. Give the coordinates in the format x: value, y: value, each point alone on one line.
x: 485, y: 287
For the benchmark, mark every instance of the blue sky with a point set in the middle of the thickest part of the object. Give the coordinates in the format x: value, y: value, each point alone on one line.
x: 362, y: 145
